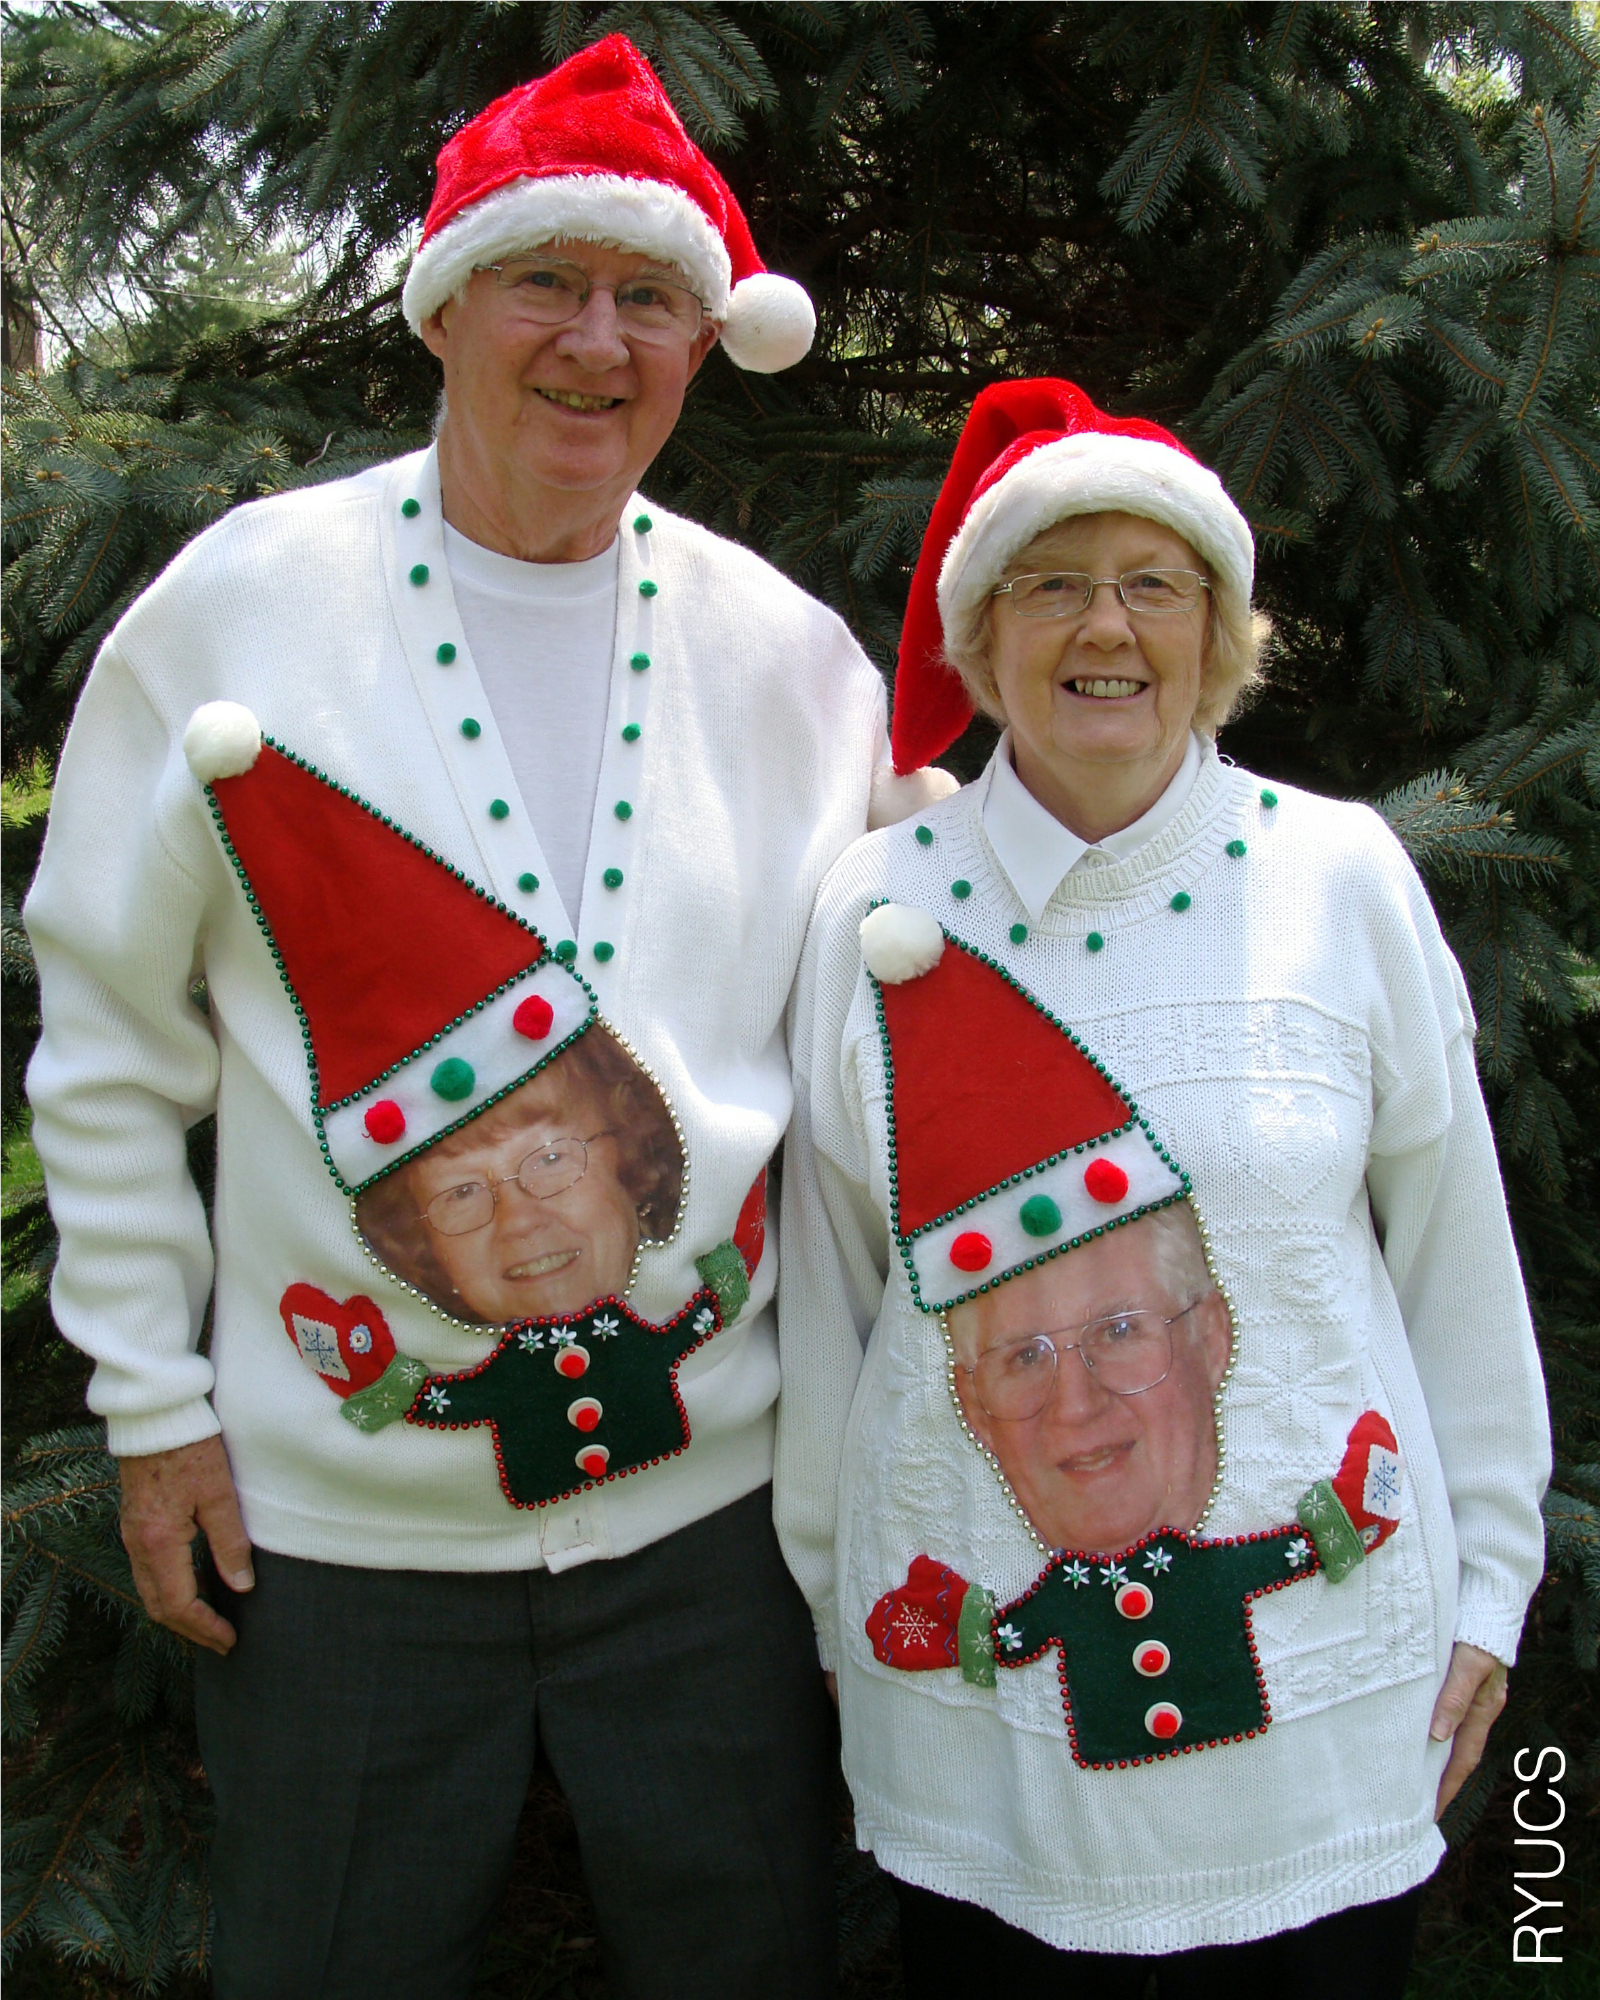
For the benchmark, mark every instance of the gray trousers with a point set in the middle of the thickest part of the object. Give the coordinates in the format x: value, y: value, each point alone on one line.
x: 371, y: 1737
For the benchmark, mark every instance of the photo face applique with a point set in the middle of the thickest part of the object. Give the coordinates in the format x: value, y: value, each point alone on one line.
x: 1043, y: 1221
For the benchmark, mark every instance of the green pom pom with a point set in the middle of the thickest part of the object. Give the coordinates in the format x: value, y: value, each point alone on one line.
x: 445, y: 654
x: 630, y: 732
x: 1093, y: 942
x: 1269, y: 799
x: 648, y: 588
x: 527, y: 883
x: 453, y: 1079
x: 1237, y: 849
x: 471, y: 727
x: 612, y: 878
x: 605, y: 952
x: 566, y: 951
x: 1181, y: 901
x: 622, y: 809
x: 639, y: 661
x: 1019, y: 933
x: 411, y: 509
x: 419, y: 573
x: 961, y: 890
x: 1040, y: 1216
x: 925, y: 836
x: 498, y: 809
x: 642, y: 524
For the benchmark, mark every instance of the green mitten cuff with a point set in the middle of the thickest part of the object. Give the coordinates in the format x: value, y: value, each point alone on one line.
x: 975, y: 1636
x: 393, y: 1393
x: 1322, y: 1514
x: 722, y: 1271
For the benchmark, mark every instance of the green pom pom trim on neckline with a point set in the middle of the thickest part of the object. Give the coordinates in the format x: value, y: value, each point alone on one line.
x: 411, y: 509
x: 445, y: 654
x: 419, y: 573
x: 622, y: 809
x: 648, y: 587
x: 642, y: 524
x: 925, y: 836
x: 1181, y: 901
x: 1269, y: 799
x: 498, y: 809
x: 1019, y: 933
x: 1094, y: 942
x: 567, y: 951
x: 612, y: 878
x: 630, y: 732
x: 527, y: 884
x: 961, y: 888
x: 605, y: 952
x: 471, y: 728
x: 638, y: 662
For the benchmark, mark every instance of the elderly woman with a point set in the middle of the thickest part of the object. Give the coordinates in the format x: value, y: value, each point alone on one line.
x: 1169, y: 1574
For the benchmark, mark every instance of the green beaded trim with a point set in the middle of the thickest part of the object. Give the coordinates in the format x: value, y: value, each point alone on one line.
x: 1136, y: 1118
x: 319, y: 1110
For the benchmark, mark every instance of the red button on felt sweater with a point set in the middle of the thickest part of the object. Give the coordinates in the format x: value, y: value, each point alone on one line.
x: 572, y: 1361
x: 534, y: 1017
x: 1105, y: 1180
x: 385, y: 1122
x: 593, y: 1459
x: 1150, y: 1658
x: 1134, y: 1600
x: 1163, y: 1719
x: 971, y: 1250
x: 585, y: 1413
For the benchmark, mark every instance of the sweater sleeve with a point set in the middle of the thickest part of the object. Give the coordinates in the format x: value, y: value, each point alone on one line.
x: 830, y: 1278
x: 125, y: 1064
x: 1437, y: 1200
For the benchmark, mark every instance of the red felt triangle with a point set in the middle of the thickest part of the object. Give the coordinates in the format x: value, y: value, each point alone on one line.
x: 383, y: 946
x: 985, y: 1085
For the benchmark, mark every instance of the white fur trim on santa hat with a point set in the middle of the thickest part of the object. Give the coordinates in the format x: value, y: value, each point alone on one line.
x: 223, y: 740
x: 1095, y: 473
x: 900, y: 943
x: 770, y: 324
x: 615, y: 210
x: 896, y: 798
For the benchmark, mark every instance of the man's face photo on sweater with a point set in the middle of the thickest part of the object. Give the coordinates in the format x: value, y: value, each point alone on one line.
x: 538, y: 1207
x: 1093, y: 1380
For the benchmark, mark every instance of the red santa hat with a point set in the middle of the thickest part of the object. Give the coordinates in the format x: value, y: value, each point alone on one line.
x: 595, y: 151
x: 422, y: 1000
x: 1009, y: 1142
x: 1031, y: 454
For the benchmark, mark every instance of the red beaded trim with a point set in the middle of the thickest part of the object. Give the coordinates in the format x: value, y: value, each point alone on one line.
x: 700, y: 1299
x: 1002, y: 1659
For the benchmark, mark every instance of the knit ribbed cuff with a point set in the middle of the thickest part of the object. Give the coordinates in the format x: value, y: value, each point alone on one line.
x: 161, y: 1430
x: 1490, y: 1626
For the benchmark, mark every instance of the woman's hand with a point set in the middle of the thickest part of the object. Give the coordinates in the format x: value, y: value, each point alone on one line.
x: 1473, y: 1694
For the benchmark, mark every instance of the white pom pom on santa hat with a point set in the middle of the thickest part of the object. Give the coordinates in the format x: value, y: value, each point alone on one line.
x: 770, y: 324
x: 900, y: 943
x: 223, y: 740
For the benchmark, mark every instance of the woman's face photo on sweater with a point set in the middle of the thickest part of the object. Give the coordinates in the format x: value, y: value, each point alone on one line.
x: 1093, y: 1379
x: 539, y: 1206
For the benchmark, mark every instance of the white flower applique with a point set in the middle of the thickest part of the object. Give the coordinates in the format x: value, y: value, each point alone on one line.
x: 1113, y: 1573
x: 1298, y: 1551
x: 1157, y: 1560
x: 605, y: 1325
x: 531, y: 1339
x: 436, y: 1399
x: 704, y: 1320
x: 1010, y: 1638
x: 1076, y: 1573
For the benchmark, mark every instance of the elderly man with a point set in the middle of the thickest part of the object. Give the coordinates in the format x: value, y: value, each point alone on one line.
x: 425, y: 774
x: 1092, y: 1378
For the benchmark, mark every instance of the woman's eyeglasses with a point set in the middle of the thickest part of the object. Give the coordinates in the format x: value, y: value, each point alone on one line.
x: 1068, y: 593
x: 558, y: 1165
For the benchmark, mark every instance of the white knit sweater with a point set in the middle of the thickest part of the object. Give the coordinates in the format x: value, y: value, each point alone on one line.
x: 1301, y: 1038
x: 761, y: 725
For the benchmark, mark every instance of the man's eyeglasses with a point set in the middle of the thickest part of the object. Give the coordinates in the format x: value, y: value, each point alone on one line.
x: 556, y: 1166
x: 551, y: 291
x: 1126, y: 1353
x: 1068, y: 593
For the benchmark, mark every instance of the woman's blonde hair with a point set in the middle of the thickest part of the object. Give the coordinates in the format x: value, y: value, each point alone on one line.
x: 1230, y: 659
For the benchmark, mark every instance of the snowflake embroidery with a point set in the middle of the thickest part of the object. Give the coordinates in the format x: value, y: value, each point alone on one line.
x: 436, y: 1399
x: 1157, y: 1560
x: 1010, y: 1638
x: 320, y: 1346
x: 1077, y: 1574
x: 531, y: 1339
x: 704, y: 1320
x: 1298, y: 1551
x: 1113, y: 1573
x: 360, y: 1416
x: 913, y: 1624
x: 1383, y: 1484
x: 604, y: 1326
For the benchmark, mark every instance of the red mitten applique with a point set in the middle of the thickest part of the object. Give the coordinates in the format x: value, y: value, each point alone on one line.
x: 915, y: 1627
x: 349, y: 1345
x: 750, y: 1231
x: 1368, y: 1479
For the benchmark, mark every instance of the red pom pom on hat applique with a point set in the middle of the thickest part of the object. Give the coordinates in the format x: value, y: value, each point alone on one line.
x: 1105, y: 1181
x: 385, y: 1121
x: 971, y: 1251
x: 534, y: 1017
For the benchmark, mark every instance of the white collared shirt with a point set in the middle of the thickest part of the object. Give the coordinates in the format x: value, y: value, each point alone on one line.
x: 1038, y: 852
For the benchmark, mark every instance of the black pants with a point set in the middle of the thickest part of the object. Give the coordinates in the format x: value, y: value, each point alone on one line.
x: 957, y: 1949
x: 371, y: 1738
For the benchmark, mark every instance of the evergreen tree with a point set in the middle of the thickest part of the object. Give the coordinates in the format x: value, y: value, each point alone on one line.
x: 1349, y: 252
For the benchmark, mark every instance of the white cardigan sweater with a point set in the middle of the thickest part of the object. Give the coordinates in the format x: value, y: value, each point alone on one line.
x: 761, y: 726
x: 1301, y: 1038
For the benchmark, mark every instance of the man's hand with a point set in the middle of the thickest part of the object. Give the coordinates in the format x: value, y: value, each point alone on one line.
x: 168, y: 1498
x: 1473, y: 1694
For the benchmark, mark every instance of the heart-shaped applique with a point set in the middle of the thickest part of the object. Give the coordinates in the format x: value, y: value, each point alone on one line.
x: 347, y: 1343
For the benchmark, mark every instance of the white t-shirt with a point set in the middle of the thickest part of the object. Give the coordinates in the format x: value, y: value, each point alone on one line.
x: 541, y: 637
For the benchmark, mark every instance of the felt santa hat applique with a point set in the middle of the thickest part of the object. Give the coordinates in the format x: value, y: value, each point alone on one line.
x: 595, y: 152
x: 1009, y: 1142
x: 1033, y: 453
x: 422, y: 1000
